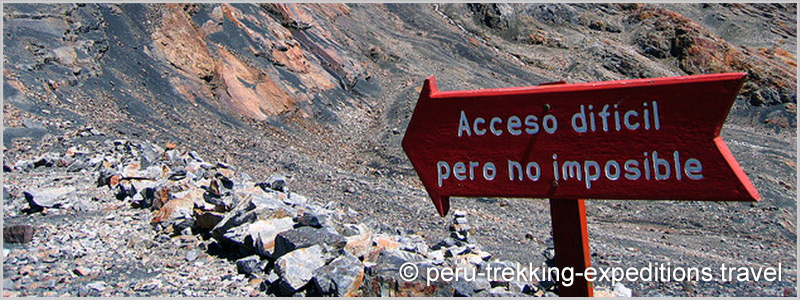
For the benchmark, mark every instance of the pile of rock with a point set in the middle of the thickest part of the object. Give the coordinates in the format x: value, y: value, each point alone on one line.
x: 277, y: 238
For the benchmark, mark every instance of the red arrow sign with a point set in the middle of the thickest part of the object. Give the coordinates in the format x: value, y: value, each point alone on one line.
x: 652, y: 138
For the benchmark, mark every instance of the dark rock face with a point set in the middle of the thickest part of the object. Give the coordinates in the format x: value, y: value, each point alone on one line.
x: 496, y: 16
x: 303, y: 237
x: 342, y: 277
x: 251, y: 266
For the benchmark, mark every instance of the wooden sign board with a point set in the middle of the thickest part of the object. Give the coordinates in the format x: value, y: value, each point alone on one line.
x: 648, y: 139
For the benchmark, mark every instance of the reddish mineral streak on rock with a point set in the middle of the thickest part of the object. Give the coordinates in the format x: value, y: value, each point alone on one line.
x: 250, y: 92
x: 176, y: 36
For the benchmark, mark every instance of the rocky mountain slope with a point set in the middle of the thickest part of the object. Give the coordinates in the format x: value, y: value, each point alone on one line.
x: 164, y: 222
x: 322, y: 93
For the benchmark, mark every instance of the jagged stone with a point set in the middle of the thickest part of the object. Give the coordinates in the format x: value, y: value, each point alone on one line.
x: 206, y: 220
x: 23, y: 165
x: 349, y: 230
x: 359, y: 243
x: 469, y: 285
x: 239, y: 236
x: 455, y: 251
x: 196, y: 196
x: 295, y: 199
x: 222, y: 202
x: 342, y: 277
x: 76, y: 166
x: 483, y: 254
x: 104, y: 178
x: 47, y: 160
x: 309, y: 219
x: 175, y: 216
x: 196, y: 156
x: 471, y: 258
x: 447, y: 243
x: 161, y: 196
x: 296, y: 268
x: 125, y: 189
x: 264, y: 232
x: 520, y: 287
x: 225, y: 180
x: 177, y: 174
x: 270, y: 281
x: 460, y: 237
x: 384, y: 279
x: 413, y: 243
x: 173, y: 156
x: 436, y: 256
x: 276, y: 182
x: 38, y: 199
x: 252, y: 266
x: 94, y: 163
x: 150, y: 154
x: 241, y: 214
x: 264, y: 200
x: 303, y: 237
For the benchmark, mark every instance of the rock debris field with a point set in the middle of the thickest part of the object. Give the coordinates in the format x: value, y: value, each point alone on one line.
x: 122, y: 218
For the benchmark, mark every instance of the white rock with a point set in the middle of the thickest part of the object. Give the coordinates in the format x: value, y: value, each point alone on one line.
x: 621, y: 291
x: 297, y: 267
x: 263, y: 233
x: 97, y: 285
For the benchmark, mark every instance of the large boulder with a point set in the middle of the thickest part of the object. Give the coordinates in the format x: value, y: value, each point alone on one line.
x: 206, y: 220
x: 359, y: 239
x: 241, y: 214
x: 275, y: 182
x: 252, y: 266
x: 342, y: 277
x: 303, y: 237
x: 176, y: 215
x: 39, y: 199
x: 264, y: 232
x: 297, y: 267
x: 384, y: 279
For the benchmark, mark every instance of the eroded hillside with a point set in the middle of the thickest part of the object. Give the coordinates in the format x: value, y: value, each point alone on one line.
x: 323, y: 92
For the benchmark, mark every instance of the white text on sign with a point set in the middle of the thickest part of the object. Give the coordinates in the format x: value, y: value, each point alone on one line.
x: 652, y: 165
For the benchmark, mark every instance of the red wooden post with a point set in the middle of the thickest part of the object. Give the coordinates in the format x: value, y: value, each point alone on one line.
x: 571, y: 242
